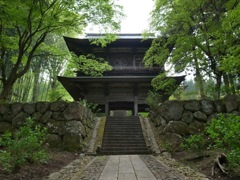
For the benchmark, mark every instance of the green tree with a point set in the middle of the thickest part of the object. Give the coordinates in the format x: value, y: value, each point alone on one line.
x: 89, y: 65
x: 194, y: 32
x: 25, y: 24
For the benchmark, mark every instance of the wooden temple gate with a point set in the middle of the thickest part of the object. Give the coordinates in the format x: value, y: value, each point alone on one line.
x: 126, y: 86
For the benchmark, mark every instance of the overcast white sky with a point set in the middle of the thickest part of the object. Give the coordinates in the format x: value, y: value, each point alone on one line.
x: 137, y: 13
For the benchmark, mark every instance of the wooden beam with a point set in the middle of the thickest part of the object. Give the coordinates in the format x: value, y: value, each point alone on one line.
x: 106, y: 106
x: 107, y: 99
x: 135, y: 93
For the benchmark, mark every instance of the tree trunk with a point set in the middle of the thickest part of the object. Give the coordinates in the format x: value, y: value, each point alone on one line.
x: 37, y: 66
x: 199, y: 79
x: 6, y: 91
x: 16, y: 92
x: 27, y: 87
x: 226, y: 83
x: 232, y: 85
x: 47, y: 91
x: 35, y: 94
x: 218, y: 86
x: 43, y: 87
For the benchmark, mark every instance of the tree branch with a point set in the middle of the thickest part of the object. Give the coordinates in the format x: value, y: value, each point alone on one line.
x: 30, y: 56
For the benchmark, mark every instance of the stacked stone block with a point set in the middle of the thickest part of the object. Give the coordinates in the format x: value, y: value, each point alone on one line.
x: 68, y: 123
x: 177, y: 119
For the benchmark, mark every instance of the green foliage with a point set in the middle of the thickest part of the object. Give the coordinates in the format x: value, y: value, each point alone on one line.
x: 190, y: 91
x: 26, y: 145
x: 154, y: 100
x: 104, y: 40
x: 201, y: 33
x: 178, y: 93
x: 25, y: 26
x: 154, y: 56
x: 59, y: 93
x: 224, y: 131
x: 234, y: 158
x: 168, y: 147
x: 92, y: 106
x: 222, y: 134
x: 143, y: 114
x: 195, y: 143
x: 90, y: 65
x: 164, y: 85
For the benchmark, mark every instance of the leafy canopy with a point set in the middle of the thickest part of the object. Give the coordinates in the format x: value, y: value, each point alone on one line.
x: 25, y: 24
x: 190, y: 30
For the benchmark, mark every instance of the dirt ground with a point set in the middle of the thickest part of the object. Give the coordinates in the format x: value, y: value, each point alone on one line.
x: 203, y: 164
x: 58, y: 159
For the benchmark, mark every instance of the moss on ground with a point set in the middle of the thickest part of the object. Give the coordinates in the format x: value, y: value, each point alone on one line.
x: 100, y: 132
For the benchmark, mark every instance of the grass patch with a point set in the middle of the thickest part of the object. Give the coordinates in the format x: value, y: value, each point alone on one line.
x: 100, y: 132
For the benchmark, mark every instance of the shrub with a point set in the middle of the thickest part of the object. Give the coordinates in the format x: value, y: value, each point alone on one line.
x: 94, y: 107
x: 224, y: 131
x: 26, y: 145
x: 225, y: 134
x: 234, y: 158
x: 195, y: 143
x: 154, y: 100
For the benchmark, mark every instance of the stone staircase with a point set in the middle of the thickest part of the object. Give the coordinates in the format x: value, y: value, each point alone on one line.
x: 123, y: 135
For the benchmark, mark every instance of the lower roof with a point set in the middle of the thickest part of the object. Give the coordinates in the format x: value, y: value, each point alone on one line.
x: 106, y: 78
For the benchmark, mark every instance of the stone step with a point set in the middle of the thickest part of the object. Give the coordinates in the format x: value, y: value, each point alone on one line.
x: 122, y: 117
x: 122, y: 124
x: 122, y: 121
x: 111, y: 152
x: 131, y: 131
x: 123, y: 127
x: 125, y: 151
x: 123, y: 135
x: 125, y: 148
x: 124, y: 143
x: 120, y: 141
x: 137, y: 145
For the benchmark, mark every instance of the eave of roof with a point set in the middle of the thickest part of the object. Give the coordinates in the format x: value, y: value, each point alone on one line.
x: 119, y: 36
x: 113, y: 78
x: 106, y: 78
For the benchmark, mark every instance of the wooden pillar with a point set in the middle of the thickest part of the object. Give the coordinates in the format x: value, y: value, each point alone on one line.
x: 135, y: 105
x: 106, y: 106
x: 135, y: 113
x: 134, y: 57
x: 107, y: 109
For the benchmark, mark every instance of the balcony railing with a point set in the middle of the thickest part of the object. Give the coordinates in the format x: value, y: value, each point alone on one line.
x: 128, y: 71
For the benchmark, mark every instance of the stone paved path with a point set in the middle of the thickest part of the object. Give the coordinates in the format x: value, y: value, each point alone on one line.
x: 94, y: 170
x: 127, y: 167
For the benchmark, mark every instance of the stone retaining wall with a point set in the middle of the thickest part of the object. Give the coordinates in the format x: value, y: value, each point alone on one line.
x: 68, y: 123
x: 177, y: 119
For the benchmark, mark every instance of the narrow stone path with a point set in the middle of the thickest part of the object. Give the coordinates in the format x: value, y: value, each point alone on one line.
x: 127, y: 167
x: 93, y: 170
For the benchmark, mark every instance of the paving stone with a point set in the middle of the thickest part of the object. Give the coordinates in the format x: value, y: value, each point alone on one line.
x: 124, y: 167
x: 95, y: 169
x: 126, y: 176
x: 158, y: 169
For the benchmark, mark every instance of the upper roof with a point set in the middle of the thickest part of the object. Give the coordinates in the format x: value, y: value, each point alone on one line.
x: 83, y: 45
x: 119, y: 36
